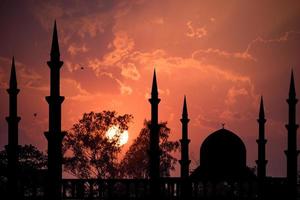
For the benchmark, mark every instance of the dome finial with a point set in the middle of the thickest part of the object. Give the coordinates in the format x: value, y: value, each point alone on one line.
x: 223, y: 125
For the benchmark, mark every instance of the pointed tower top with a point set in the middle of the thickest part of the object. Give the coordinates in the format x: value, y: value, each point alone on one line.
x: 55, y: 47
x: 261, y: 109
x: 292, y: 92
x: 154, y: 91
x: 184, y: 109
x: 13, y: 76
x: 223, y: 125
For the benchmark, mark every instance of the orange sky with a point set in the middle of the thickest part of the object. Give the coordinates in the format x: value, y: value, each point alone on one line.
x: 222, y: 54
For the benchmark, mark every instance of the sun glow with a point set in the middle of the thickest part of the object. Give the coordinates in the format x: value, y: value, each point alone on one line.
x: 114, y: 131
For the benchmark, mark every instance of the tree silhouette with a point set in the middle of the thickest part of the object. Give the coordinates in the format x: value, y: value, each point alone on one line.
x: 31, y: 161
x: 30, y: 158
x: 89, y: 153
x: 135, y: 163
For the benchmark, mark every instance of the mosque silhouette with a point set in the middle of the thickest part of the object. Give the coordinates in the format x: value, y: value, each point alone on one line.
x: 222, y: 174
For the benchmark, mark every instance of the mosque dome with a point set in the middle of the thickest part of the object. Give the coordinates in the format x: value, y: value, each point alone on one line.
x: 222, y: 156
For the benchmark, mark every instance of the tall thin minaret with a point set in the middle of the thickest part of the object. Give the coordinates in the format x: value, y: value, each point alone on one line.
x: 292, y: 152
x: 154, y: 151
x: 54, y: 135
x: 154, y: 132
x: 185, y: 161
x: 261, y: 161
x: 13, y: 121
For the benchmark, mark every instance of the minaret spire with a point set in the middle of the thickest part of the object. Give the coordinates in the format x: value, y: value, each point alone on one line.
x: 13, y: 143
x: 292, y: 91
x: 185, y: 161
x: 261, y: 161
x: 261, y: 108
x: 184, y: 109
x: 154, y: 161
x: 13, y: 76
x: 54, y: 135
x: 55, y: 54
x: 154, y: 91
x: 292, y: 152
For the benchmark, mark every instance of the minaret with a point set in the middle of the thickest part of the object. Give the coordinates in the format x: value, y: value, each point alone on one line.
x: 292, y: 152
x: 13, y: 121
x: 261, y: 162
x: 154, y: 151
x: 185, y: 161
x: 54, y: 135
x: 154, y: 132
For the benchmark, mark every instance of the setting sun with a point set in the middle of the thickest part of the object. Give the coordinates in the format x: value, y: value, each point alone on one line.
x: 114, y: 130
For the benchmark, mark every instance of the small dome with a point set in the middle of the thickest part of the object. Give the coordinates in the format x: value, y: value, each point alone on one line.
x: 223, y: 148
x: 222, y: 155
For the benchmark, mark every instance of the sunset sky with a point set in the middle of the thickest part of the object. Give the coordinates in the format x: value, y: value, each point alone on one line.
x: 221, y: 54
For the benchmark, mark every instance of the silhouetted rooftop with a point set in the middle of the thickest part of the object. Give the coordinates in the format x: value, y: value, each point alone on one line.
x: 222, y: 155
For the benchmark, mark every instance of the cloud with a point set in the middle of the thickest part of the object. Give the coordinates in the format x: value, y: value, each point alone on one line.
x: 96, y: 65
x: 158, y: 21
x: 90, y: 25
x: 229, y: 90
x: 104, y: 70
x: 124, y: 89
x: 230, y: 115
x: 71, y: 86
x: 243, y: 55
x: 206, y: 122
x: 115, y: 61
x: 74, y: 49
x: 164, y: 92
x: 72, y: 66
x: 239, y: 55
x: 122, y: 44
x: 212, y: 19
x: 283, y: 38
x: 228, y: 75
x: 120, y: 48
x: 72, y: 19
x: 161, y: 93
x: 167, y: 63
x: 160, y: 59
x: 240, y: 102
x: 73, y: 90
x: 195, y: 32
x: 233, y: 93
x: 3, y: 78
x: 46, y: 12
x: 233, y: 89
x: 31, y: 79
x: 130, y: 71
x: 26, y: 77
